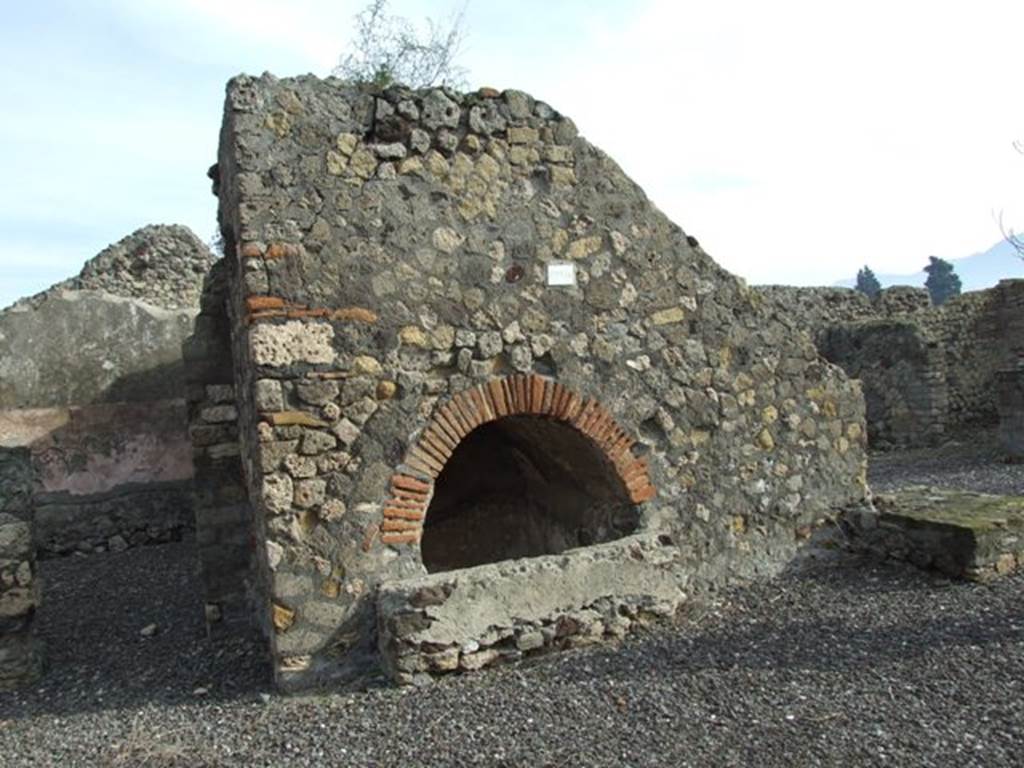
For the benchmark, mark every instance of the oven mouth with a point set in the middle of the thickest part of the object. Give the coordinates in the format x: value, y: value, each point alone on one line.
x: 523, y: 486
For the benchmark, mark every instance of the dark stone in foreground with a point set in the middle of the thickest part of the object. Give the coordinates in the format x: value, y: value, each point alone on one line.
x: 968, y: 535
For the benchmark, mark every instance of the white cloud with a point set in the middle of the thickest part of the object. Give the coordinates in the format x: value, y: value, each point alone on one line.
x: 868, y: 132
x: 796, y: 140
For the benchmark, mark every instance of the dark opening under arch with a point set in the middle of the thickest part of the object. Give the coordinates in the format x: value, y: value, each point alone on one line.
x: 523, y: 486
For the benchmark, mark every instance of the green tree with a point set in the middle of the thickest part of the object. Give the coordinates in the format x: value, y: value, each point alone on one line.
x: 867, y: 283
x: 942, y: 283
x: 387, y: 49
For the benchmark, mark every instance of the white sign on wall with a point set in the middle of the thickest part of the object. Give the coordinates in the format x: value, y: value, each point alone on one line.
x: 561, y: 273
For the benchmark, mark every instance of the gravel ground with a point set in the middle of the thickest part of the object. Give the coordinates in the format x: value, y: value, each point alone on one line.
x: 844, y: 662
x: 971, y: 460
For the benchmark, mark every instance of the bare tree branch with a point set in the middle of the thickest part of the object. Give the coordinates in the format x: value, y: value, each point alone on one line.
x: 1009, y: 235
x: 387, y: 49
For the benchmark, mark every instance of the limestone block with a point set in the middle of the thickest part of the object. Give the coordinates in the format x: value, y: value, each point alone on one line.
x: 292, y: 342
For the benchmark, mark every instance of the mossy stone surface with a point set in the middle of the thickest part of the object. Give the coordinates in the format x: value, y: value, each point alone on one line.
x: 965, y: 509
x: 973, y: 535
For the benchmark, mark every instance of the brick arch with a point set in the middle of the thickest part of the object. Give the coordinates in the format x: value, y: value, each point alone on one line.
x: 412, y: 487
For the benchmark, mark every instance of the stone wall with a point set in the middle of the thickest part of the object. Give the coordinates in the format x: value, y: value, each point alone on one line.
x: 1010, y: 399
x: 392, y: 297
x: 83, y: 347
x: 223, y: 514
x: 976, y: 334
x: 461, y: 620
x: 108, y: 476
x: 20, y: 652
x: 818, y: 308
x: 16, y: 481
x: 903, y: 374
x: 981, y: 333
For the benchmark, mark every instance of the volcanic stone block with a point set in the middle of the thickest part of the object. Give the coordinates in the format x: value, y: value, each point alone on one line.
x: 967, y: 535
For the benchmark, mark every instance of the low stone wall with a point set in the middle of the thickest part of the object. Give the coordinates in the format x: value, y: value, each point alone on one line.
x: 107, y: 476
x: 129, y: 516
x: 1010, y: 396
x: 964, y: 534
x: 468, y: 619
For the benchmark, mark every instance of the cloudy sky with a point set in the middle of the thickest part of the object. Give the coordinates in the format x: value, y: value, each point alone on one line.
x: 796, y: 140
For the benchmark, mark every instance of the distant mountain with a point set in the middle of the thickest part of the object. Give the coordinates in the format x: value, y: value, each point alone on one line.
x: 982, y: 270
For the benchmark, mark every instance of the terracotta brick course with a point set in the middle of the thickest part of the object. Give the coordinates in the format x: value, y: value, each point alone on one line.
x: 270, y: 307
x: 447, y: 426
x: 256, y: 303
x: 251, y: 250
x: 409, y: 484
x: 393, y: 524
x: 403, y: 514
x: 408, y: 503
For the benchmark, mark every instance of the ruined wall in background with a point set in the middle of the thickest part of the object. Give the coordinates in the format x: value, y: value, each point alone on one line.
x: 92, y: 384
x: 904, y: 378
x: 107, y: 476
x: 1010, y: 400
x: 160, y: 264
x: 975, y: 335
x: 980, y: 332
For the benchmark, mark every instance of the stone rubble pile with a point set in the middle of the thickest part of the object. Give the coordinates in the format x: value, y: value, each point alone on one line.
x: 161, y: 264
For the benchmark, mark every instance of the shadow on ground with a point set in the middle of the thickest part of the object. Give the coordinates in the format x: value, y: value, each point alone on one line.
x: 92, y: 619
